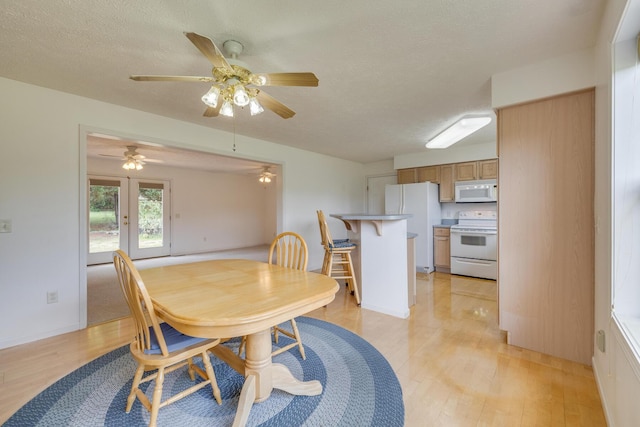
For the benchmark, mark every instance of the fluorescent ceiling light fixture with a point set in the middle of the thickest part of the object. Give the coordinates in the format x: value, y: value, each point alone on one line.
x: 459, y: 130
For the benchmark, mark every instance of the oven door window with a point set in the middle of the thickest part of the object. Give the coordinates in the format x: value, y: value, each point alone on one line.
x: 473, y: 240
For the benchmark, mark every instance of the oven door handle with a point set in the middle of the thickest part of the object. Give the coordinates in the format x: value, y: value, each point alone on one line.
x: 473, y: 261
x: 478, y: 232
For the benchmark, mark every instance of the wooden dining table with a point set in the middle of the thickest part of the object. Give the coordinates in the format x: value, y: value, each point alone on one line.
x: 236, y: 297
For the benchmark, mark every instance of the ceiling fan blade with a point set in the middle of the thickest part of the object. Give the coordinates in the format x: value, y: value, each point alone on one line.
x: 171, y: 78
x: 274, y: 105
x: 212, y: 111
x: 209, y: 49
x: 289, y: 79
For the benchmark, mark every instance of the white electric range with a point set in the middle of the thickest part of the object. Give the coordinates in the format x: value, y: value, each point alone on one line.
x: 474, y: 245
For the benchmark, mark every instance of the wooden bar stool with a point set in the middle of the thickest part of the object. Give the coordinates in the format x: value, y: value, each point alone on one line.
x: 337, y: 262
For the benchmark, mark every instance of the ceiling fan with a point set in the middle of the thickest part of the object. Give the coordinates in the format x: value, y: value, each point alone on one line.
x: 133, y: 159
x: 233, y: 83
x: 266, y: 175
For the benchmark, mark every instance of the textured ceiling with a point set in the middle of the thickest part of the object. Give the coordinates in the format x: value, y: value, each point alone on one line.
x: 392, y: 74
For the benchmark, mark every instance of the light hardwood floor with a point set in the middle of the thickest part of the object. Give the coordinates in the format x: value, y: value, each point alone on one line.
x: 452, y: 361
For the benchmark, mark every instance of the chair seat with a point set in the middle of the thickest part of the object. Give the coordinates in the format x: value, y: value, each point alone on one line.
x: 342, y: 245
x: 174, y: 339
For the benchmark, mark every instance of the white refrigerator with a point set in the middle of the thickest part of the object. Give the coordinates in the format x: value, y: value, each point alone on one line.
x: 422, y: 201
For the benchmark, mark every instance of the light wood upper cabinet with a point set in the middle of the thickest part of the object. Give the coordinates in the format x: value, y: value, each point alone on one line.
x: 446, y: 183
x: 467, y: 171
x: 447, y: 175
x: 488, y: 169
x: 429, y: 173
x: 442, y: 251
x: 407, y: 176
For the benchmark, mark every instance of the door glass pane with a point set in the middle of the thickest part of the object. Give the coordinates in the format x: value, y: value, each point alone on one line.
x: 150, y: 215
x: 104, y: 206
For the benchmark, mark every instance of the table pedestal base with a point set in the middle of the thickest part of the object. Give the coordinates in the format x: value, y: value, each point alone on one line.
x: 262, y: 376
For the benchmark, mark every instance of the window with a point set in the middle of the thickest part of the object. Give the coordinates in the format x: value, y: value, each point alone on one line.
x: 626, y: 191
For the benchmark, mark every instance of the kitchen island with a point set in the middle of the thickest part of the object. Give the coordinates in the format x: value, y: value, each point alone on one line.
x: 380, y: 260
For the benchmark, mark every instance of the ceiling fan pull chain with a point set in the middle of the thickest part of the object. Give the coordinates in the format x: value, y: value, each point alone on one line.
x: 234, y: 134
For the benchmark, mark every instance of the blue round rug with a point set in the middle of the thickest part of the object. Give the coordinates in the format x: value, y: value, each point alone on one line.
x: 359, y: 389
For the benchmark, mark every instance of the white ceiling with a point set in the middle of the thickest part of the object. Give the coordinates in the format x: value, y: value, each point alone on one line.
x: 392, y: 74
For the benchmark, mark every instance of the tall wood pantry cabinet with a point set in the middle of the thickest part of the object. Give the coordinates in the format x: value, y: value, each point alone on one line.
x: 546, y: 225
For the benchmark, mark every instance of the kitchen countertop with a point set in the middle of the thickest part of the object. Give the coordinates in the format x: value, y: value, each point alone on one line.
x: 372, y: 217
x: 446, y: 223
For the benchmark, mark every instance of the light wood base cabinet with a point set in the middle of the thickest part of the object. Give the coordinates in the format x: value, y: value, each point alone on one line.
x: 442, y: 251
x: 546, y: 225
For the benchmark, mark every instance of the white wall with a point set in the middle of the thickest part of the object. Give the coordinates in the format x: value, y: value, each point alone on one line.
x: 209, y: 211
x: 41, y: 167
x: 455, y: 154
x: 452, y: 210
x: 567, y: 73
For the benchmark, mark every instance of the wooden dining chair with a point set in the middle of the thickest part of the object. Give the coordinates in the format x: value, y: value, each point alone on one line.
x: 159, y: 347
x: 288, y: 250
x: 337, y: 262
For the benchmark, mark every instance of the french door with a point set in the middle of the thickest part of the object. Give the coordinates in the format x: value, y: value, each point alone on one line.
x: 129, y: 214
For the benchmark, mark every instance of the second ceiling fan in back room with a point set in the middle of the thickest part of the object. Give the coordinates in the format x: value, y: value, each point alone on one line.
x: 233, y: 83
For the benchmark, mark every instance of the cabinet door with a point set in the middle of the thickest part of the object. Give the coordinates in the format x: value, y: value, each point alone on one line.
x: 407, y: 176
x: 466, y: 171
x: 446, y: 183
x: 442, y: 257
x: 429, y: 173
x: 488, y: 169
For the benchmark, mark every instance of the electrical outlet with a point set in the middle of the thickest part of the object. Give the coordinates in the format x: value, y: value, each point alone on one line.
x: 5, y: 226
x: 52, y: 297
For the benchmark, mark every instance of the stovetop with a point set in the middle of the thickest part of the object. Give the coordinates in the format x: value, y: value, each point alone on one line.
x: 477, y: 219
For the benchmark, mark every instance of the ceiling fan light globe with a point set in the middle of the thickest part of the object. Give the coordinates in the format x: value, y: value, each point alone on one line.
x: 211, y: 97
x: 254, y: 107
x: 240, y: 97
x: 226, y: 109
x: 258, y: 80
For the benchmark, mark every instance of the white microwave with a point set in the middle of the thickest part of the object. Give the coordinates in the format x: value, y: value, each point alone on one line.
x: 485, y: 190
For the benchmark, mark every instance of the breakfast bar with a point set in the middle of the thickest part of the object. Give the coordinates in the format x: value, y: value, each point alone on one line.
x: 380, y: 260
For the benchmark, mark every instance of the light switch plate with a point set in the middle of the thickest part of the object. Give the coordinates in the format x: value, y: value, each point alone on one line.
x: 5, y: 226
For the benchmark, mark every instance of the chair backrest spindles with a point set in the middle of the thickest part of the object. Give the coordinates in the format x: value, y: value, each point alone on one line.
x: 325, y: 234
x: 290, y: 251
x: 139, y: 302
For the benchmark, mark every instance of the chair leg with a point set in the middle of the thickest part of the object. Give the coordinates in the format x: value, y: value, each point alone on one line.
x: 329, y: 264
x: 212, y: 377
x: 294, y: 327
x: 136, y: 383
x: 157, y: 397
x: 243, y: 343
x: 352, y: 280
x: 325, y: 263
x: 190, y: 370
